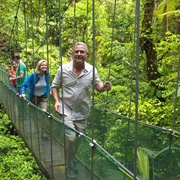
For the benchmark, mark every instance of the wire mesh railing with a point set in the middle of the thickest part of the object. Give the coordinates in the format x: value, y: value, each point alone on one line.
x: 92, y: 161
x: 113, y: 132
x: 160, y: 145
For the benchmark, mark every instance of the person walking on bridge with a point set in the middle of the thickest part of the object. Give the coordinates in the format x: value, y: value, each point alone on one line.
x: 12, y: 75
x: 38, y: 84
x: 20, y: 73
x: 76, y: 80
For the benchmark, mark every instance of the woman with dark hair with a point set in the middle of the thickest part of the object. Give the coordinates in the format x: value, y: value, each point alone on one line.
x: 12, y: 75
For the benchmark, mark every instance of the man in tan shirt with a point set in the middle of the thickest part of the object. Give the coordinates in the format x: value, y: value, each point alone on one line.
x: 76, y: 80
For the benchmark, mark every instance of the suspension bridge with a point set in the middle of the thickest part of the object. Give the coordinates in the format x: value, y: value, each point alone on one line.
x: 91, y: 158
x: 94, y: 160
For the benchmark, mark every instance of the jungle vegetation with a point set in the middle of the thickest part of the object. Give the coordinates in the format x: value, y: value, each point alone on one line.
x: 40, y: 29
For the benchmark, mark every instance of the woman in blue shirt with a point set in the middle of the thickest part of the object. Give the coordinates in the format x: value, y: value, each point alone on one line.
x: 38, y: 85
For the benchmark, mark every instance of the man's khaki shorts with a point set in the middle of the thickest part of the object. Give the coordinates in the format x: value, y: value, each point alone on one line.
x: 79, y: 125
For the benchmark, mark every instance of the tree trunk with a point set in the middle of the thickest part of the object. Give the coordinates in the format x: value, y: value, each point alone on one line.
x: 147, y: 44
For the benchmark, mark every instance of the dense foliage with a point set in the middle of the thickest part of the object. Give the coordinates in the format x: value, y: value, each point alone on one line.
x: 43, y: 30
x: 16, y: 160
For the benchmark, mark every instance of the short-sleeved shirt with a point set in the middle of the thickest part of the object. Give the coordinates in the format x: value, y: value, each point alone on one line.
x: 76, y: 90
x: 21, y: 68
x: 39, y: 86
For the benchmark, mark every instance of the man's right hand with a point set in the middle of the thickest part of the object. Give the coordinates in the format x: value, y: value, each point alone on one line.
x: 57, y: 106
